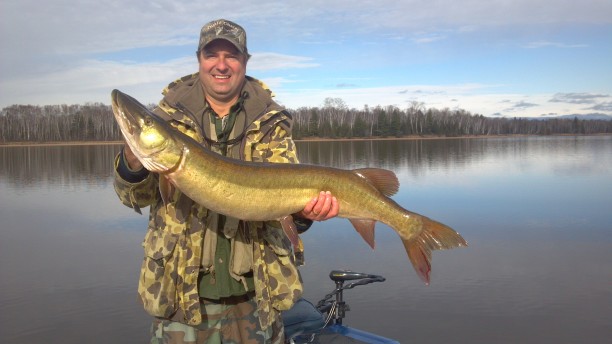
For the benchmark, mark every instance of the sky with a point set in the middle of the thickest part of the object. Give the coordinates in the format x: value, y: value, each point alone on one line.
x: 510, y: 58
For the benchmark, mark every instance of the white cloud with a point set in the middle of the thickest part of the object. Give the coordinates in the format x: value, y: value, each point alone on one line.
x: 51, y: 49
x: 432, y: 95
x: 268, y: 61
x: 92, y: 81
x: 475, y: 98
x: 546, y: 44
x: 577, y: 98
x: 428, y: 38
x: 92, y: 26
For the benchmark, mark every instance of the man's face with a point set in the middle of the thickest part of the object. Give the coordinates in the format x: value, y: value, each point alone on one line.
x: 222, y: 70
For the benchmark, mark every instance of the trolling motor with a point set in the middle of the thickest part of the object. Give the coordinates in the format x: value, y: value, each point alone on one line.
x: 305, y: 321
x: 336, y: 310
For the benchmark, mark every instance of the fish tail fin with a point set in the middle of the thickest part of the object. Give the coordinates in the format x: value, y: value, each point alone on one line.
x: 434, y: 236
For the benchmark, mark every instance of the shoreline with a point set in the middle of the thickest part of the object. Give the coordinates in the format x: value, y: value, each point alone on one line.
x: 307, y: 139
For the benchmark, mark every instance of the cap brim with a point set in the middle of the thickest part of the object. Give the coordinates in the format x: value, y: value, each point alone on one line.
x: 229, y: 39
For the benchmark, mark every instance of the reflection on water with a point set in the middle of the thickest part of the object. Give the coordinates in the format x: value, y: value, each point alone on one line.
x: 535, y: 211
x: 35, y: 166
x: 417, y: 157
x: 413, y: 156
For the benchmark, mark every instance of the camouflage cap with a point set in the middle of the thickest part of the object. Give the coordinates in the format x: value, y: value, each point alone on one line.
x: 224, y: 29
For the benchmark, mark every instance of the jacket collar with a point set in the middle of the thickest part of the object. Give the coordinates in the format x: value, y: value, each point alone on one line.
x: 186, y: 95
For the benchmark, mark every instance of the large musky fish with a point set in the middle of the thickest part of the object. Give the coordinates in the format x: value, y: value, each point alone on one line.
x: 262, y: 191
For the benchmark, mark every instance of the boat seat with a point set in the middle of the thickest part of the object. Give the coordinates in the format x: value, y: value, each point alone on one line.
x: 302, y: 318
x: 347, y: 275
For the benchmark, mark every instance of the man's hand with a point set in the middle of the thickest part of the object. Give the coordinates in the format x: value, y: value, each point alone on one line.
x: 133, y: 163
x: 321, y: 208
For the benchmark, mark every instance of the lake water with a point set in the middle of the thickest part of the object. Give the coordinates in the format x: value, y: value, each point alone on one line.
x: 537, y: 213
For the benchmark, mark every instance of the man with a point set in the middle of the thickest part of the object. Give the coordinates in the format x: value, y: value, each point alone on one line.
x: 208, y: 278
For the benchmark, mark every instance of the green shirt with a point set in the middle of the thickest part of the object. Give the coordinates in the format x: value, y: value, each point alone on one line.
x: 219, y: 283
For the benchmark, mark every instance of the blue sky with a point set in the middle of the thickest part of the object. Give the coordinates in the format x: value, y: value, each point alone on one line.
x: 496, y: 58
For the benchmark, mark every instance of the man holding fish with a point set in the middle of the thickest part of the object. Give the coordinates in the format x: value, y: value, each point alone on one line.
x: 216, y: 163
x: 208, y: 277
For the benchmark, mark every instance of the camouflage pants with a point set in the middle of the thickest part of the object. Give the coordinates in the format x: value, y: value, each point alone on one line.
x: 221, y: 323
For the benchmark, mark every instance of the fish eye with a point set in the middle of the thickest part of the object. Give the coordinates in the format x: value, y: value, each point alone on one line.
x: 148, y: 121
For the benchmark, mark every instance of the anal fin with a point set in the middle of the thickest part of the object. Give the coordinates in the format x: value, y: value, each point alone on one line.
x: 365, y: 228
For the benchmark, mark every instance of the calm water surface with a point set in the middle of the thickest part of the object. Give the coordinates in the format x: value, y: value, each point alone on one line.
x: 537, y: 213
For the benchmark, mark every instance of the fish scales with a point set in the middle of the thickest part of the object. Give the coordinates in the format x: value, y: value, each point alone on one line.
x: 220, y: 184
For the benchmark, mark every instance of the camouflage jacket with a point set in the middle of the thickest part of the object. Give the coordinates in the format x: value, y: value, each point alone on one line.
x: 176, y: 234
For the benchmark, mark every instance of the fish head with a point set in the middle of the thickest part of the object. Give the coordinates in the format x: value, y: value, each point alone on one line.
x: 149, y: 137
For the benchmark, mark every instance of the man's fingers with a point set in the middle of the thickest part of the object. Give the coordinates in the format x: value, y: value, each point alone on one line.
x: 318, y: 207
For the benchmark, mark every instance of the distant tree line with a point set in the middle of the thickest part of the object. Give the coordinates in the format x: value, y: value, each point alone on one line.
x: 57, y: 123
x: 335, y: 120
x: 95, y: 122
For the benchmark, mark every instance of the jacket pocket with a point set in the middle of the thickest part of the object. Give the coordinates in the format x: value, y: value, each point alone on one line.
x: 158, y: 275
x: 285, y: 282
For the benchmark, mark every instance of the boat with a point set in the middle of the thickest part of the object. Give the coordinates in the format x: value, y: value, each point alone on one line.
x: 323, y: 323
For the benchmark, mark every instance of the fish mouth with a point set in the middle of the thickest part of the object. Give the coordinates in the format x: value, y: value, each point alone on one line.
x: 114, y: 95
x: 126, y: 119
x: 129, y: 115
x: 115, y: 100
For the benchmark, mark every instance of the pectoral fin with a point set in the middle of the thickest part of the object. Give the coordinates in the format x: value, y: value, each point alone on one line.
x: 166, y: 189
x: 290, y: 230
x: 365, y: 228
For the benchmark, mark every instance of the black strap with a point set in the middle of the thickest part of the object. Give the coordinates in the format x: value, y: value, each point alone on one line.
x: 223, y: 131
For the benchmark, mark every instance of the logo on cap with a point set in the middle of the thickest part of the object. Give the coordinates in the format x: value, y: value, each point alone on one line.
x: 224, y: 29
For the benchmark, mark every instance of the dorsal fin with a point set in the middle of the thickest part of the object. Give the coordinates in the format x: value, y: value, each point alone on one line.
x: 384, y: 181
